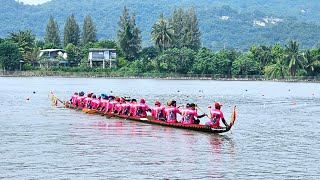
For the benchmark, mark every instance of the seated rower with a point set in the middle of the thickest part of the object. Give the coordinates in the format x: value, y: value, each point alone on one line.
x: 95, y: 102
x: 158, y: 112
x: 215, y: 115
x: 190, y: 114
x: 171, y: 112
x: 144, y: 108
x: 79, y: 100
x: 73, y: 99
x: 104, y: 101
x: 87, y: 101
x: 125, y: 107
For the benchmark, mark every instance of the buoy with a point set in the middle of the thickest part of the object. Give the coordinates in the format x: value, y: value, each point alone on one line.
x: 246, y: 90
x: 178, y: 91
x: 262, y: 94
x: 289, y: 90
x: 34, y: 92
x: 27, y: 98
x: 111, y: 92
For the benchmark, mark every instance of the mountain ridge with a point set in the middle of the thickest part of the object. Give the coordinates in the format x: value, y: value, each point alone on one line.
x: 238, y: 32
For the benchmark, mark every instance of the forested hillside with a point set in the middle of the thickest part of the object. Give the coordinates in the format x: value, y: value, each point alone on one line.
x: 233, y: 24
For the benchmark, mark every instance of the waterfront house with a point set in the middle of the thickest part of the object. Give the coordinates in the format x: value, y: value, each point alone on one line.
x: 55, y: 56
x: 104, y: 56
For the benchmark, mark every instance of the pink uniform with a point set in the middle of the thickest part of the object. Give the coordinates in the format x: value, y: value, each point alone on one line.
x: 118, y: 107
x: 103, y: 104
x: 188, y: 116
x: 135, y: 109
x: 80, y: 101
x: 215, y: 115
x: 171, y: 114
x: 74, y: 99
x: 111, y: 105
x: 125, y: 109
x: 87, y: 102
x: 158, y: 113
x: 95, y: 103
x: 144, y: 109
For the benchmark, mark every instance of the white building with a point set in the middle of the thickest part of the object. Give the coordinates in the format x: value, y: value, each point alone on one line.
x: 102, y: 55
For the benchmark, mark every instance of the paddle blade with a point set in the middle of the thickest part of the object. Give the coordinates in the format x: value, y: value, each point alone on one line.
x: 233, y: 116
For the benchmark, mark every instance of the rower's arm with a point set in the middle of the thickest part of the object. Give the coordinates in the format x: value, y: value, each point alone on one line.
x: 201, y: 116
x: 225, y: 123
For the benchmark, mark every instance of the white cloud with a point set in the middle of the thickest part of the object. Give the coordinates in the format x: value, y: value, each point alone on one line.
x: 34, y: 2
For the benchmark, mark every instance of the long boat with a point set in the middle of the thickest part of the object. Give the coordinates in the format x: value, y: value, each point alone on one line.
x: 151, y: 120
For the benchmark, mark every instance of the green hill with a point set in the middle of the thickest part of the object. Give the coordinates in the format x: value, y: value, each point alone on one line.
x: 230, y: 23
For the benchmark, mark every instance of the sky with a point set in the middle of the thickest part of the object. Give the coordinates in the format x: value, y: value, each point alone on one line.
x: 34, y: 2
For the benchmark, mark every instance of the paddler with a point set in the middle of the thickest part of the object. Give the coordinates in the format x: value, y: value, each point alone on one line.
x: 144, y: 108
x: 73, y: 99
x: 125, y: 107
x: 158, y: 112
x: 103, y: 101
x: 95, y: 102
x: 80, y: 99
x: 87, y: 100
x: 171, y: 112
x: 215, y: 115
x: 190, y: 115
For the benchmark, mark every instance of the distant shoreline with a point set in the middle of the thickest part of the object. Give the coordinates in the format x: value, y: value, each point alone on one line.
x: 162, y: 76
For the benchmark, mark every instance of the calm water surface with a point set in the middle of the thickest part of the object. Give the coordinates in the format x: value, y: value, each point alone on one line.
x: 276, y: 135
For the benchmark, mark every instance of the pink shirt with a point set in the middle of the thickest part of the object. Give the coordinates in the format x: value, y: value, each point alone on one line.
x: 103, y: 103
x: 215, y: 116
x: 95, y: 103
x: 135, y: 109
x: 118, y: 107
x: 87, y: 102
x: 188, y: 116
x: 80, y: 101
x: 74, y: 99
x: 171, y: 114
x: 144, y: 108
x: 158, y: 113
x: 125, y: 109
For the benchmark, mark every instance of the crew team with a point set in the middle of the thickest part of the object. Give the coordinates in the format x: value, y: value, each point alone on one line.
x: 123, y: 106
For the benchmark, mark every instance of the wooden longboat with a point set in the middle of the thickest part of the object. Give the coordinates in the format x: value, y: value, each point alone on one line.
x: 150, y: 120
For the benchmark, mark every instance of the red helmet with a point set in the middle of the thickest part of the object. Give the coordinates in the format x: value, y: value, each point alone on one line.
x: 217, y: 104
x: 117, y: 99
x: 142, y: 100
x: 157, y: 103
x: 89, y: 95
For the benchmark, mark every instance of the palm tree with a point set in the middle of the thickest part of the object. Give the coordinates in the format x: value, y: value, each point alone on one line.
x: 275, y: 70
x: 162, y: 33
x: 312, y: 61
x: 293, y: 59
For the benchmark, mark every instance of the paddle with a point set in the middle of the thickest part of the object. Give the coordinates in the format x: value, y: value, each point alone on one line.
x: 202, y: 111
x: 56, y: 98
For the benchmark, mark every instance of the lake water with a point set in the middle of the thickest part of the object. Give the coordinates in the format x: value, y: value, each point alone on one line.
x: 276, y: 134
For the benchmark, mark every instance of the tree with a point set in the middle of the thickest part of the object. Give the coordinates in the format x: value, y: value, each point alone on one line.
x: 293, y: 59
x: 52, y: 34
x: 204, y: 62
x: 276, y: 70
x: 245, y: 65
x: 74, y: 55
x: 128, y: 35
x: 89, y: 32
x: 71, y: 32
x: 162, y: 33
x: 176, y: 21
x: 191, y: 32
x: 312, y: 62
x: 25, y: 41
x: 10, y: 56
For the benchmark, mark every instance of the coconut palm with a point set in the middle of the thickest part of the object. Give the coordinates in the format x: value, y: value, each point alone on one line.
x: 162, y: 33
x: 293, y: 59
x: 312, y: 61
x: 276, y: 70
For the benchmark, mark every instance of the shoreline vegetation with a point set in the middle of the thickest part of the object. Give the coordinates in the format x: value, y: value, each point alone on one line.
x: 176, y: 53
x: 164, y: 76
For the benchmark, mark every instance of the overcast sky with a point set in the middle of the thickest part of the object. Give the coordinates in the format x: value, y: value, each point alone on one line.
x: 33, y: 1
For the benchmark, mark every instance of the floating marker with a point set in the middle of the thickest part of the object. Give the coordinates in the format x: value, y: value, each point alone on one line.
x: 27, y: 98
x: 34, y: 92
